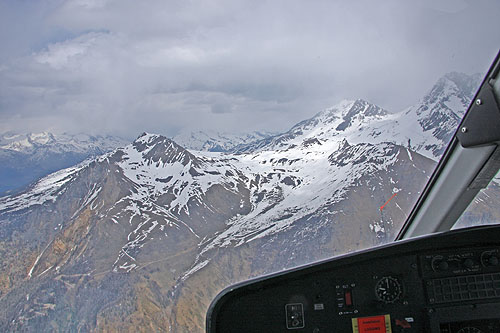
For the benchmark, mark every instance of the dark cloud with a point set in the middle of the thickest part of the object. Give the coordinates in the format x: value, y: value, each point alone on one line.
x: 123, y: 66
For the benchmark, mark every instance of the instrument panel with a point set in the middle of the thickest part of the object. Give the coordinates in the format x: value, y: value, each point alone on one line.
x: 444, y: 283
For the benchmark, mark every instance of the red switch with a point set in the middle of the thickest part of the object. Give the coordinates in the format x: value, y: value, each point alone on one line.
x: 348, y: 298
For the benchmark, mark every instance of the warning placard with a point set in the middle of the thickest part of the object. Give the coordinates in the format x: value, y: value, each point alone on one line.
x: 375, y: 324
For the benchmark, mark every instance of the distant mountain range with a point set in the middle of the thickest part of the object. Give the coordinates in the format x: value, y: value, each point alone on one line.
x: 217, y: 141
x: 143, y: 237
x: 25, y: 158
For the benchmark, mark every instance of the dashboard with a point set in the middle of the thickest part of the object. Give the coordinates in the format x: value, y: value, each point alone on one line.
x: 443, y: 283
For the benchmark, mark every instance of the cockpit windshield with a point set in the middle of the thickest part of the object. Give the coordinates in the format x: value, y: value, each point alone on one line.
x: 154, y: 153
x: 482, y: 210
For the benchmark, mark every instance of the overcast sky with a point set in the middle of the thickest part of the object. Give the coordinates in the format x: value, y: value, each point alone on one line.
x: 123, y: 67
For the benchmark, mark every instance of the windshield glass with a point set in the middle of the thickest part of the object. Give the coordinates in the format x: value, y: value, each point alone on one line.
x: 484, y: 209
x: 154, y: 153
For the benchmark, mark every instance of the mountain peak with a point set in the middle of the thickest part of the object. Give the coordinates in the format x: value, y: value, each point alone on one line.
x: 466, y: 84
x: 42, y: 138
x: 347, y: 110
x: 155, y: 148
x: 360, y: 106
x: 336, y: 121
x: 445, y: 104
x: 146, y: 137
x: 452, y: 92
x: 359, y: 110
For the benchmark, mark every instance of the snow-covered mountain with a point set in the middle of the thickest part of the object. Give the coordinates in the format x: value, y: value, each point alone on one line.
x: 26, y: 157
x: 347, y: 120
x: 150, y: 232
x: 217, y: 141
x: 38, y: 143
x: 425, y: 127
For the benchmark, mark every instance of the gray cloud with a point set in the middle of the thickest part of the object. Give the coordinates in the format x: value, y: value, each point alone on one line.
x: 123, y: 67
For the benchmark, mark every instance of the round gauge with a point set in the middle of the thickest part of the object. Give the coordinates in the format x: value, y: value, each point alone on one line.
x: 388, y: 289
x: 470, y: 330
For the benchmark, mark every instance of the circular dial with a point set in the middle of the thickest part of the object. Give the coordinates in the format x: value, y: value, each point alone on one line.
x: 388, y: 289
x: 470, y: 330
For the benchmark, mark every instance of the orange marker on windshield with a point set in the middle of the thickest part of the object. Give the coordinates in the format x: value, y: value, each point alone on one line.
x: 382, y: 207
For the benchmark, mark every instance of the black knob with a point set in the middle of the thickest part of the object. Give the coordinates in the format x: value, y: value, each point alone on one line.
x: 468, y: 263
x: 443, y: 265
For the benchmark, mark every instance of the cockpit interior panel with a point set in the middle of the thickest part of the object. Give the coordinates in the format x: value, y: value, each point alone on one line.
x: 443, y: 283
